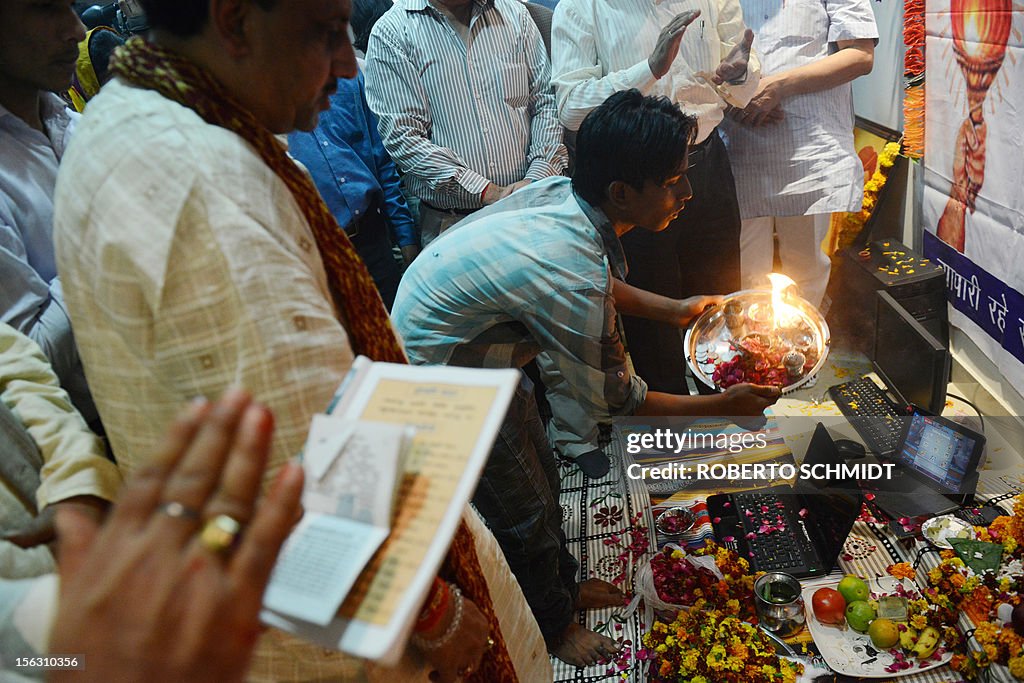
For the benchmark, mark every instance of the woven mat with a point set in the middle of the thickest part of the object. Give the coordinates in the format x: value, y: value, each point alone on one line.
x: 597, y: 513
x: 596, y: 518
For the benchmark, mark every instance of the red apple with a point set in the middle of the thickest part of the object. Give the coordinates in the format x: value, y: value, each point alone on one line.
x: 829, y: 606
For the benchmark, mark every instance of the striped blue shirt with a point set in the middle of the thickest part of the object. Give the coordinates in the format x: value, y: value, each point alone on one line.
x: 455, y: 113
x: 530, y: 274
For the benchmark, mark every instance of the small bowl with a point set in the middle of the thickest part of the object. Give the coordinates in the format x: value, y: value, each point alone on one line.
x: 675, y: 521
x: 938, y: 530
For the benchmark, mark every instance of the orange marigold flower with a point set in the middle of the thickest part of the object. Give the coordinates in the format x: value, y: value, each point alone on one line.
x: 902, y: 570
x: 1017, y: 667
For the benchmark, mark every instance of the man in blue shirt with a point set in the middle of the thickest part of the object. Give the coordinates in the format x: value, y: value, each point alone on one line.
x: 360, y: 184
x: 544, y: 271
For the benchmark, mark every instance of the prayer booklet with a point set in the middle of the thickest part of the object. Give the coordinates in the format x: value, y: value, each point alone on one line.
x: 389, y: 471
x: 352, y: 475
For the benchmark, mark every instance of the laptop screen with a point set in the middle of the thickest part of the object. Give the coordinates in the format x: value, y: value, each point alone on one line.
x: 912, y: 363
x: 833, y: 504
x: 941, y: 451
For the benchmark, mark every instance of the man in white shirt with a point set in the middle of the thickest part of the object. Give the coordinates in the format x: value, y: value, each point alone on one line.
x: 463, y: 94
x: 37, y: 58
x: 793, y: 170
x: 696, y: 53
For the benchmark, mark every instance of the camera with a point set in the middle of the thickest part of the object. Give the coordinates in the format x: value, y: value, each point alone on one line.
x: 125, y: 16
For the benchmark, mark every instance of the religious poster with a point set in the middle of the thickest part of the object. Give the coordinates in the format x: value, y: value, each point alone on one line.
x: 973, y: 204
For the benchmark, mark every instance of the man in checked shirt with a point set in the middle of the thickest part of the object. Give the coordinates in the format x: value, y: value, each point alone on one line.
x: 543, y: 271
x: 462, y: 91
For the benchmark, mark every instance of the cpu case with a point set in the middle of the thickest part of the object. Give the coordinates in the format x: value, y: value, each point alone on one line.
x: 914, y: 282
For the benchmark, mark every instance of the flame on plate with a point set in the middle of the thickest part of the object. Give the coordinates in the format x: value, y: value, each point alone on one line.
x: 783, y: 314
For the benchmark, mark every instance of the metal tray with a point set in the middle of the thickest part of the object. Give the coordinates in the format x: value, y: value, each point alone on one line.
x: 710, y: 339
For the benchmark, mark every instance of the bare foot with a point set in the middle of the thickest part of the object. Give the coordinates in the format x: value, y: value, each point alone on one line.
x: 581, y: 647
x: 595, y: 594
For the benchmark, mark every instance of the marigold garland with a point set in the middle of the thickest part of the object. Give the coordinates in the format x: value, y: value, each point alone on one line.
x: 913, y: 116
x: 709, y: 647
x: 913, y: 74
x: 712, y: 640
x: 711, y: 644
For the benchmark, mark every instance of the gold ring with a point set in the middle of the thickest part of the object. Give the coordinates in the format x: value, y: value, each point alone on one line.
x: 177, y: 510
x: 220, y: 533
x: 490, y: 643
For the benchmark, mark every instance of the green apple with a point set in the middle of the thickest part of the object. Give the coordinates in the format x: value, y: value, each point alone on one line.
x: 859, y: 615
x: 853, y: 588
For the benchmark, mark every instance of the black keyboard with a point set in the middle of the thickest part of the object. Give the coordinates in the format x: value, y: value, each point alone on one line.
x: 778, y: 549
x: 871, y: 413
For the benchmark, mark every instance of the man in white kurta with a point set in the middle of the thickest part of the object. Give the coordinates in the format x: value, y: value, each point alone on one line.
x: 190, y: 268
x: 792, y: 146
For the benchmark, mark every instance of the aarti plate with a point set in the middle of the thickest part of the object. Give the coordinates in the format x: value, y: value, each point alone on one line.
x: 712, y: 338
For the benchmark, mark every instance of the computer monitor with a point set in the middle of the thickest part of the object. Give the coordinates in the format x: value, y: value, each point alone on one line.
x: 940, y: 451
x: 913, y: 364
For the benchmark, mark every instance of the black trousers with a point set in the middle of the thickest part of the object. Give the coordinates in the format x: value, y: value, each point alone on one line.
x: 518, y: 498
x: 699, y: 253
x: 372, y: 241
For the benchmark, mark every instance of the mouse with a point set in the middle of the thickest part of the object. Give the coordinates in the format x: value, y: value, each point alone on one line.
x: 850, y: 449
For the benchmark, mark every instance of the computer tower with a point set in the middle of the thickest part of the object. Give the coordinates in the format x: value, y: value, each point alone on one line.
x: 918, y: 284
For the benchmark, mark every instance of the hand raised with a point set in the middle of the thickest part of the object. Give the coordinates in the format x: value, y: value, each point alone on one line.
x: 734, y: 67
x: 145, y: 597
x: 667, y: 47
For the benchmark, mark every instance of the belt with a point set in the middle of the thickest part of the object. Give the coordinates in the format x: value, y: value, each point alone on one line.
x: 450, y: 212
